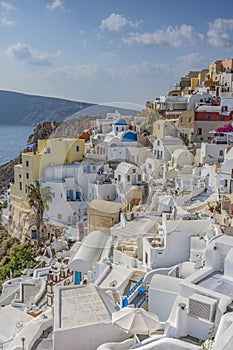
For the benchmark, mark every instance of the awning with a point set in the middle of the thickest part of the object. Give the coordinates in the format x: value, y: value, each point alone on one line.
x: 31, y: 145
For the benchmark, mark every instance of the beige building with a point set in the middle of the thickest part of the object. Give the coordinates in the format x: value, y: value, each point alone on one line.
x: 33, y: 164
x: 163, y: 128
x: 102, y: 215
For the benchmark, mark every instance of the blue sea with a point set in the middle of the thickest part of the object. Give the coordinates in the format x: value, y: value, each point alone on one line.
x: 13, y: 138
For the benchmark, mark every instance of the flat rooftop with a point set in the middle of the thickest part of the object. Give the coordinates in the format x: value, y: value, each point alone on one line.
x: 218, y: 283
x: 81, y: 306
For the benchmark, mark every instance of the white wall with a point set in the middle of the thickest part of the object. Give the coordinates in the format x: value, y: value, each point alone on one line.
x: 210, y: 153
x: 160, y: 303
x: 87, y: 337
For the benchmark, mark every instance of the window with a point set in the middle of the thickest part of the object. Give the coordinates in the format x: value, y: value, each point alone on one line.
x: 27, y: 163
x: 158, y: 142
x: 208, y: 117
x: 199, y: 131
x: 20, y: 176
x: 59, y: 216
x: 53, y: 194
x: 128, y: 178
x: 223, y: 117
x: 134, y: 171
x: 26, y: 188
x: 61, y: 195
x: 139, y: 177
x: 190, y: 119
x: 221, y: 153
x: 27, y: 175
x: 225, y: 183
x: 77, y: 148
x: 34, y: 234
x: 48, y: 150
x: 119, y: 177
x: 20, y: 186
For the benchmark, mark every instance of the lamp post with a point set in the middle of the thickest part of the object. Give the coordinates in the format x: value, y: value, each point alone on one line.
x: 23, y: 340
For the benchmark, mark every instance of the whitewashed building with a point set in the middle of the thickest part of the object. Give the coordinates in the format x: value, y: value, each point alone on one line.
x: 126, y: 175
x: 163, y: 148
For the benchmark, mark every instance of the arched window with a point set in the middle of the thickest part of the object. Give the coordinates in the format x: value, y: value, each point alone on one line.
x: 221, y: 153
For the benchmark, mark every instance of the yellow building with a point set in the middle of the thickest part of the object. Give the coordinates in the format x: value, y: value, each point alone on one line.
x: 54, y: 151
x: 215, y: 68
x: 197, y: 81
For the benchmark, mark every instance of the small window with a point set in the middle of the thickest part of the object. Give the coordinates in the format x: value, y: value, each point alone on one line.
x: 20, y: 176
x: 34, y: 234
x: 158, y: 142
x: 221, y: 153
x: 27, y: 163
x: 128, y: 178
x: 208, y: 117
x: 199, y: 131
x: 225, y: 183
x: 59, y: 216
x: 53, y: 194
x: 119, y: 177
x: 48, y: 150
x: 27, y: 175
x: 190, y: 119
x: 61, y: 195
x: 26, y: 188
x: 223, y: 117
x: 20, y: 186
x: 139, y: 177
x: 134, y: 171
x: 77, y: 148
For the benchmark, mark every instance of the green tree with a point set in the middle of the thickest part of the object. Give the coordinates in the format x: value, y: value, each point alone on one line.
x: 38, y: 199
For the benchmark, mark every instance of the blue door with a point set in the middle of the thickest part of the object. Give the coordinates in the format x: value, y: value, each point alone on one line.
x: 77, y: 277
x: 71, y: 195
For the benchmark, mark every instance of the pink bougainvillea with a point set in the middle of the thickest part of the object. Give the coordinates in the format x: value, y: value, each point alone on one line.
x: 226, y: 128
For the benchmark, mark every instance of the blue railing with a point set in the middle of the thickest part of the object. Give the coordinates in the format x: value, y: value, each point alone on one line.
x: 125, y: 300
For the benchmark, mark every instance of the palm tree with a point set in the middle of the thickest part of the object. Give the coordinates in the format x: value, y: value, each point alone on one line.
x: 38, y: 199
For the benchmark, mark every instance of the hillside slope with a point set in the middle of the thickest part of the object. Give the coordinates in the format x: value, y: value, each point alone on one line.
x: 17, y: 108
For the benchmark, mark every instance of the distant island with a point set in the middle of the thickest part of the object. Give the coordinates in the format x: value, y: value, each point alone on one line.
x: 18, y: 108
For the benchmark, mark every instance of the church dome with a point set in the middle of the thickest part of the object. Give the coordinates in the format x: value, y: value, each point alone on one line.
x: 120, y: 121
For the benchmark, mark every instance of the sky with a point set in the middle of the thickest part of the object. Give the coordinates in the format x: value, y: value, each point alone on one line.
x: 103, y: 51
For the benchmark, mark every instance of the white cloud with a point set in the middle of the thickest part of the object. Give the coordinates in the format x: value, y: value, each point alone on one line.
x: 171, y: 36
x: 144, y: 67
x: 190, y: 59
x: 108, y: 54
x: 5, y: 22
x: 116, y: 22
x: 72, y: 72
x: 220, y: 33
x: 26, y: 54
x: 84, y: 43
x: 55, y: 4
x: 6, y: 5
